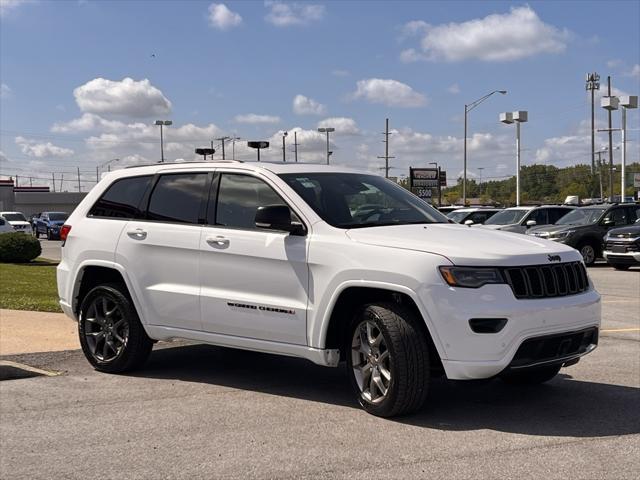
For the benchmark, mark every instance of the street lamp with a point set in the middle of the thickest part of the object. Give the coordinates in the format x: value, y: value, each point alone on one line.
x: 467, y: 109
x: 284, y: 147
x: 162, y: 123
x: 258, y: 145
x: 626, y: 102
x: 205, y: 151
x: 518, y: 117
x: 327, y: 130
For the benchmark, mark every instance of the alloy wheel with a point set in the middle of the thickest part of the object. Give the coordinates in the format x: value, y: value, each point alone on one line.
x: 371, y: 362
x: 106, y: 329
x: 588, y: 254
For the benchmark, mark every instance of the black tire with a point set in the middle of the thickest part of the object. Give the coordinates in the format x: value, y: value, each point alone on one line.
x: 136, y: 345
x: 589, y: 252
x: 48, y: 234
x: 620, y: 267
x: 404, y: 336
x: 532, y: 376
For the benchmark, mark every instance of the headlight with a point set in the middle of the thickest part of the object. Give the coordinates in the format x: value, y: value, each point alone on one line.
x: 470, y: 277
x: 560, y: 235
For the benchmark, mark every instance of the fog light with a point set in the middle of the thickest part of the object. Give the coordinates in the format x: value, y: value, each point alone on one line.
x: 487, y: 325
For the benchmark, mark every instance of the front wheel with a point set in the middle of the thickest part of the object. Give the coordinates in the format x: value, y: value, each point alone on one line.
x: 111, y: 335
x: 588, y: 253
x: 532, y: 376
x: 388, y: 360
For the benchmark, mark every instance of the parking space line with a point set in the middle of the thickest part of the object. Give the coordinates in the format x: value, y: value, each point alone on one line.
x: 621, y: 330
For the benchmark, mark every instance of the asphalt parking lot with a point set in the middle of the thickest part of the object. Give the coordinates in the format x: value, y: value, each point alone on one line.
x: 198, y: 411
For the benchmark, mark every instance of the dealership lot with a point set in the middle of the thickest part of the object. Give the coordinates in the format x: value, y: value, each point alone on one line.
x: 202, y: 411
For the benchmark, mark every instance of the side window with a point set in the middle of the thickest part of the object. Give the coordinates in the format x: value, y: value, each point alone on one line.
x: 556, y: 214
x: 540, y: 216
x: 239, y: 197
x: 634, y: 214
x: 479, y: 217
x: 122, y: 198
x: 619, y: 216
x: 177, y: 198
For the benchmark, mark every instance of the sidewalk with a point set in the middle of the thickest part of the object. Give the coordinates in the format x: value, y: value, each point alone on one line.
x: 24, y: 331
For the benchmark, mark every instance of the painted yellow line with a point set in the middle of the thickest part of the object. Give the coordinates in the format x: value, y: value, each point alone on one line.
x: 621, y: 330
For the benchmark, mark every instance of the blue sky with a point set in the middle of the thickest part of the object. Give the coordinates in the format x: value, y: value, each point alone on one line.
x: 236, y: 67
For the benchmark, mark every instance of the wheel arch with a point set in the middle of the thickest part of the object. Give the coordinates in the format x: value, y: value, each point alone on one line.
x: 350, y: 297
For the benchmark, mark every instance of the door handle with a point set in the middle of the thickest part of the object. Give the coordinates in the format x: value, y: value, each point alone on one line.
x: 218, y: 241
x: 137, y: 234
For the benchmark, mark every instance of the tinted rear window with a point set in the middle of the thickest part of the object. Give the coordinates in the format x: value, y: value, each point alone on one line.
x: 177, y: 198
x: 122, y: 199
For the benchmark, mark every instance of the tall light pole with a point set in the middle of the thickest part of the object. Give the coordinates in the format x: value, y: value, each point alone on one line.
x: 610, y: 103
x: 481, y: 169
x: 162, y: 123
x: 284, y: 146
x: 518, y: 117
x: 593, y: 84
x: 626, y: 102
x: 467, y: 109
x: 327, y: 130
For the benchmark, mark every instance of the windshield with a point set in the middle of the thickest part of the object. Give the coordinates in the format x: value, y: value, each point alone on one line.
x: 353, y: 200
x: 58, y: 216
x: 14, y: 217
x: 458, y: 216
x: 582, y: 216
x: 507, y: 217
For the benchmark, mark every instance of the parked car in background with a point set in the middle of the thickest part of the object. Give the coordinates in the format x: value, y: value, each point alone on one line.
x: 449, y: 208
x: 520, y: 219
x: 18, y: 221
x: 472, y: 216
x: 5, y: 227
x: 584, y: 228
x: 622, y: 246
x: 49, y: 224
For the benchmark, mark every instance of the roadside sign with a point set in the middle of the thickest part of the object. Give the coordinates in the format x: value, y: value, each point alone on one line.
x: 425, y: 182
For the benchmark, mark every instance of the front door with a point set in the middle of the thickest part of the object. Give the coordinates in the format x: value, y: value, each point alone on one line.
x: 254, y: 283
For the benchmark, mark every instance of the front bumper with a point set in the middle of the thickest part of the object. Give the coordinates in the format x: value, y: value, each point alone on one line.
x: 469, y: 355
x: 628, y: 258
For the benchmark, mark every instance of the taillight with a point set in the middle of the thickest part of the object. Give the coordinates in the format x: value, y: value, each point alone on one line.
x: 64, y: 232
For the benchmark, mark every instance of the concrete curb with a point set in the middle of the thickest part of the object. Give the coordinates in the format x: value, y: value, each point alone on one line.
x: 23, y: 331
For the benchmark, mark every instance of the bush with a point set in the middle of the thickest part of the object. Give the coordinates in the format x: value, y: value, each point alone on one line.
x: 18, y: 247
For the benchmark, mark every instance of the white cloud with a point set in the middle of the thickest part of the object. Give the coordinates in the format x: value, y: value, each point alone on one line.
x: 32, y: 148
x: 307, y: 106
x: 340, y: 73
x: 616, y: 62
x: 253, y: 118
x: 7, y: 6
x: 414, y: 27
x: 127, y: 97
x: 290, y: 14
x: 5, y: 91
x: 86, y: 123
x: 343, y: 125
x: 635, y: 71
x: 222, y: 18
x: 454, y: 89
x: 494, y: 38
x: 389, y: 92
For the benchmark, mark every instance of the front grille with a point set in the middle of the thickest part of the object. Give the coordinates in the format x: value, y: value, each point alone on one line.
x: 554, y: 347
x: 544, y: 281
x: 621, y: 247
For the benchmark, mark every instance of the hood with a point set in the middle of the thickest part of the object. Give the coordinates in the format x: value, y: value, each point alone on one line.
x: 545, y: 230
x: 19, y: 223
x: 498, y: 227
x: 466, y: 246
x: 625, y: 232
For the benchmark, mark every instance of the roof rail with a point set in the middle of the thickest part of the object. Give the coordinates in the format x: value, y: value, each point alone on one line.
x: 182, y: 163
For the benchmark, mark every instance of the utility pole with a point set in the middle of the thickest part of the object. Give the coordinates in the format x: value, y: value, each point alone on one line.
x: 222, y: 139
x: 481, y: 169
x: 610, y: 143
x: 97, y: 174
x: 53, y: 180
x: 284, y: 146
x: 61, y: 180
x: 233, y: 146
x: 386, y: 149
x: 600, y: 172
x: 295, y: 145
x: 79, y: 186
x: 17, y: 181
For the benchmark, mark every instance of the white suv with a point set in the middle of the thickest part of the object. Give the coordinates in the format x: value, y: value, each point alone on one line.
x: 322, y: 263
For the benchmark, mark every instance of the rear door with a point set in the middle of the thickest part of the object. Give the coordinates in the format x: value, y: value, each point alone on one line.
x: 255, y: 283
x: 161, y: 250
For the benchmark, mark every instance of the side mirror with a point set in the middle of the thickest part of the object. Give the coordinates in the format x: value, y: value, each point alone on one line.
x: 468, y: 222
x: 531, y: 223
x: 277, y: 217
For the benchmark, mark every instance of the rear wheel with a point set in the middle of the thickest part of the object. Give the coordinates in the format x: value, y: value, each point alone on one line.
x: 111, y: 335
x: 532, y: 376
x: 588, y: 252
x: 388, y: 360
x: 48, y: 234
